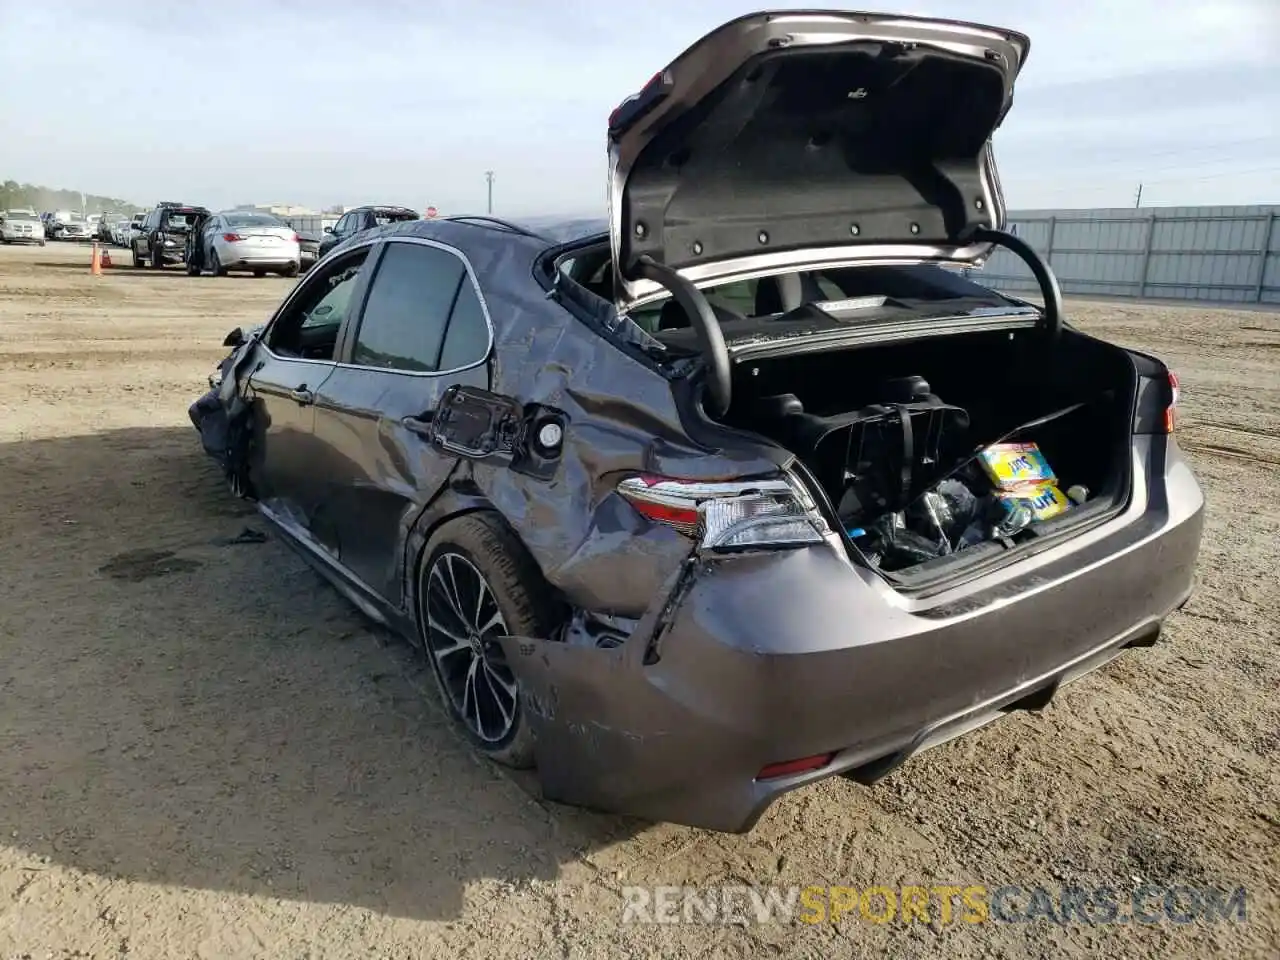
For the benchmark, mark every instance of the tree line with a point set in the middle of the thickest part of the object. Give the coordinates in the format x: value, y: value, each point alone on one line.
x: 14, y: 195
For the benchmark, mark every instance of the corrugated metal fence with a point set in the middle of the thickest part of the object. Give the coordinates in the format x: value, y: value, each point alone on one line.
x: 1190, y: 253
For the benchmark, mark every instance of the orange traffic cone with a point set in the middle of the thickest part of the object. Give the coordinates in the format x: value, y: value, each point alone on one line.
x: 95, y: 262
x: 104, y: 260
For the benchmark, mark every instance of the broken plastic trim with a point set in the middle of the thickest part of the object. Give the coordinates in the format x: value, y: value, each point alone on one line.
x: 1040, y: 269
x: 719, y: 391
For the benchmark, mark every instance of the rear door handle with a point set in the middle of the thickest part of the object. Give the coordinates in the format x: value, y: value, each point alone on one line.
x: 303, y: 395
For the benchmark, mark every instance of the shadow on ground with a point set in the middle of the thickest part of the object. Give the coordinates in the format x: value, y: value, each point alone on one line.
x: 187, y: 706
x: 122, y: 265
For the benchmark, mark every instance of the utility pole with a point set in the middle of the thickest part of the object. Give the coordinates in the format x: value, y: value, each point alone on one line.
x: 1137, y: 201
x: 488, y: 178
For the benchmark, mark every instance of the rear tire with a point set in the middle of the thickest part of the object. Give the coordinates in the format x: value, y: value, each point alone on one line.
x: 137, y: 260
x: 215, y: 265
x: 477, y: 582
x: 290, y: 271
x: 157, y: 258
x: 259, y: 273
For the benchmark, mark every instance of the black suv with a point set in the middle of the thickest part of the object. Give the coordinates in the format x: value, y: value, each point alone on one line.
x: 363, y: 218
x: 163, y: 236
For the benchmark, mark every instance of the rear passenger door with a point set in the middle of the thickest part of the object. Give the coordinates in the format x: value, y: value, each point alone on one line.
x: 423, y: 328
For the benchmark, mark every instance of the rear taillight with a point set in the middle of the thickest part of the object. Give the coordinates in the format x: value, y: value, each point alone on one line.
x: 231, y: 237
x: 729, y: 516
x: 1171, y: 411
x: 1155, y: 411
x: 296, y: 238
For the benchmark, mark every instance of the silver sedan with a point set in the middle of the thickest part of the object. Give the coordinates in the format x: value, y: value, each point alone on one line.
x: 249, y: 240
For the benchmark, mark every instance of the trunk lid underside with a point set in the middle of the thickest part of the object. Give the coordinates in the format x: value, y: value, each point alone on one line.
x: 801, y: 139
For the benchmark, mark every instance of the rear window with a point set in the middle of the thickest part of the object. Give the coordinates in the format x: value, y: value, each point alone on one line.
x: 383, y: 217
x: 180, y: 218
x: 745, y: 298
x: 252, y: 220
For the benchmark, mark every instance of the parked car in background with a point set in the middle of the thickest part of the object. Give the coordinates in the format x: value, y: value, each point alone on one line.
x: 120, y: 231
x: 21, y: 226
x: 105, y: 223
x: 308, y: 249
x: 162, y: 237
x: 133, y: 228
x: 53, y: 223
x: 362, y: 218
x: 75, y: 229
x: 245, y: 240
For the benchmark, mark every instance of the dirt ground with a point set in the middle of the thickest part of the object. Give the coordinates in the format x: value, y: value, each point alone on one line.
x: 206, y: 752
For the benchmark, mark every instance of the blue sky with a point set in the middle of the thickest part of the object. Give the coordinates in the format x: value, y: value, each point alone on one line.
x: 410, y: 101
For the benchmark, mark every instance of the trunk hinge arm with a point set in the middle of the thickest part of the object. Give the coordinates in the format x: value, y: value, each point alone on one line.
x: 710, y: 338
x: 1040, y: 269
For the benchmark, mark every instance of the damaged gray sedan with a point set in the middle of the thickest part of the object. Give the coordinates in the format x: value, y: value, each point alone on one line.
x: 747, y: 486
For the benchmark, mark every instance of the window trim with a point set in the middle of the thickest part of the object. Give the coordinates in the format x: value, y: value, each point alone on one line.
x: 348, y: 337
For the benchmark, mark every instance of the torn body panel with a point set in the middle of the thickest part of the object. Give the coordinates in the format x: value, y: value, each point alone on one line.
x: 741, y: 681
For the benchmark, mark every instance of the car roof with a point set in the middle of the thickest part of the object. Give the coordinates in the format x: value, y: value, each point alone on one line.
x: 463, y: 233
x: 566, y: 230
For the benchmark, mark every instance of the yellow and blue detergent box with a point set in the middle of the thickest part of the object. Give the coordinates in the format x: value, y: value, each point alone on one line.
x: 1011, y: 465
x: 1043, y: 499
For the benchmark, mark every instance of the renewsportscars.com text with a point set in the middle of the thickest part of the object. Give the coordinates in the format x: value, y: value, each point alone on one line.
x: 939, y: 903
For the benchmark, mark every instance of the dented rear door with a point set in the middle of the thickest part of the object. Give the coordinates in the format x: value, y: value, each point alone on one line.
x: 422, y: 329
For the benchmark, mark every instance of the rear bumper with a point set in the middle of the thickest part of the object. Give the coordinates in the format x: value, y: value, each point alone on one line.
x: 248, y: 256
x: 266, y: 263
x: 771, y: 657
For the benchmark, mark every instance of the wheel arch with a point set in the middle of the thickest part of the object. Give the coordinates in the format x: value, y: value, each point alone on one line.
x: 458, y: 499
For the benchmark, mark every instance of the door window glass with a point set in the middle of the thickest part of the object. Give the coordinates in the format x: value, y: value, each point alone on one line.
x: 310, y: 327
x: 407, y: 311
x: 467, y: 340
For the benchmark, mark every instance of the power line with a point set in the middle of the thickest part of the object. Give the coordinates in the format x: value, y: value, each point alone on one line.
x: 1140, y: 172
x: 1218, y: 176
x: 1124, y: 155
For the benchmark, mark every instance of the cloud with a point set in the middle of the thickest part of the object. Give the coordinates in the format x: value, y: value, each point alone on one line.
x: 323, y: 101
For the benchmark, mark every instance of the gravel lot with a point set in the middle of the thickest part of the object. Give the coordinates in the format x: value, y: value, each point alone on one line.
x: 205, y: 752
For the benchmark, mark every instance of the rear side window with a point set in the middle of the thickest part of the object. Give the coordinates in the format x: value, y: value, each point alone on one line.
x: 467, y: 340
x: 408, y: 307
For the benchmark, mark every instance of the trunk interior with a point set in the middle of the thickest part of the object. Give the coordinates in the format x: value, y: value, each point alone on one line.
x: 838, y: 412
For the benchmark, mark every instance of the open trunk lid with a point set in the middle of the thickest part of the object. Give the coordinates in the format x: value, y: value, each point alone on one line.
x: 810, y: 138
